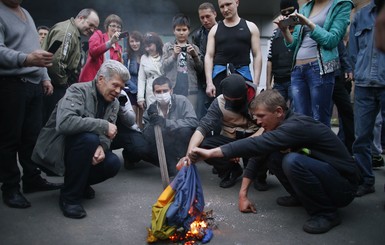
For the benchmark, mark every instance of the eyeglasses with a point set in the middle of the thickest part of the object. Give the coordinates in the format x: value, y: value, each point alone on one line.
x: 287, y: 11
x: 115, y: 27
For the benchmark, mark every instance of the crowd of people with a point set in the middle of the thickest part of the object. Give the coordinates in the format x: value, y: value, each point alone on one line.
x: 65, y: 116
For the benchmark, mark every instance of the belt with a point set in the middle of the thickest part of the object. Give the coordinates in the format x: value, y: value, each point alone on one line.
x: 13, y: 78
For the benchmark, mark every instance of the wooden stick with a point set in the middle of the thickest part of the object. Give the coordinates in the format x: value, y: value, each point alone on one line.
x: 161, y: 156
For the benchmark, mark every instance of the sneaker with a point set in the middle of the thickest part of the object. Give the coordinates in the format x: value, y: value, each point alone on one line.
x: 320, y: 224
x: 377, y: 161
x: 363, y: 190
x: 261, y: 185
x: 288, y: 201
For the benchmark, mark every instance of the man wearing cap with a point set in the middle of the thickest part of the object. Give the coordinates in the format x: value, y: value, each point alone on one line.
x: 230, y: 111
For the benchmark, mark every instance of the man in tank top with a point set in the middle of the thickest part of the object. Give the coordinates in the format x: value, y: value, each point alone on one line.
x: 228, y: 48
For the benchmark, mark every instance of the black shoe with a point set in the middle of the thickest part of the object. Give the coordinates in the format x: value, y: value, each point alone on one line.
x: 363, y: 190
x: 320, y: 224
x: 74, y: 211
x: 377, y: 161
x: 231, y: 179
x: 40, y: 184
x: 15, y: 199
x: 288, y: 201
x: 128, y: 164
x: 261, y: 185
x: 89, y: 193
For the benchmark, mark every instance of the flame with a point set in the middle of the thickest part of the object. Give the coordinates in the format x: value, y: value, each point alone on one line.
x: 197, y: 226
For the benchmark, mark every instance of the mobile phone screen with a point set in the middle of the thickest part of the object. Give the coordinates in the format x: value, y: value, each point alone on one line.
x: 55, y: 46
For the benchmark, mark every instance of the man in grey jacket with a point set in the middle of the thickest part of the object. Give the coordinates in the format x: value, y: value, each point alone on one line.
x: 77, y: 137
x: 177, y: 119
x: 23, y: 79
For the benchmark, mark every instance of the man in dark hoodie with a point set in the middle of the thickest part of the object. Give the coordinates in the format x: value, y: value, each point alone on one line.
x: 309, y: 160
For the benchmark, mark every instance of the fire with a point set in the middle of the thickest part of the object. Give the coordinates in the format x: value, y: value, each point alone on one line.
x: 200, y: 230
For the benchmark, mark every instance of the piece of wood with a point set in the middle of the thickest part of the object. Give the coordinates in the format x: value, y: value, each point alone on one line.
x: 161, y: 156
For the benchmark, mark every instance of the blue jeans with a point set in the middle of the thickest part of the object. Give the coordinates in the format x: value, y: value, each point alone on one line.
x: 317, y: 185
x: 312, y: 92
x: 284, y: 88
x: 368, y: 102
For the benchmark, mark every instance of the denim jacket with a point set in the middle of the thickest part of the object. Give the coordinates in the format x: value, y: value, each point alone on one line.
x: 328, y: 36
x: 369, y: 62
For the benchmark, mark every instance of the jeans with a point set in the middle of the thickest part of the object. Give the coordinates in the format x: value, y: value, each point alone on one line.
x: 368, y: 102
x: 284, y: 88
x: 316, y: 184
x: 20, y: 123
x: 312, y: 92
x: 79, y: 170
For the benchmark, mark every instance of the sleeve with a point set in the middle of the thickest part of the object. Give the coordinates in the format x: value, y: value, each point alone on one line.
x: 141, y: 80
x: 330, y: 39
x: 187, y: 119
x: 126, y: 113
x: 212, y: 118
x: 353, y: 42
x: 198, y: 63
x: 344, y: 58
x: 72, y: 117
x: 97, y: 46
x: 168, y: 61
x: 269, y: 54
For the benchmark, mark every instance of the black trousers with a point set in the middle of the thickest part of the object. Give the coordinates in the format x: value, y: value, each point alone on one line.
x: 20, y: 123
x: 79, y: 170
x: 222, y: 165
x: 175, y: 144
x: 341, y: 99
x: 49, y: 102
x: 135, y: 147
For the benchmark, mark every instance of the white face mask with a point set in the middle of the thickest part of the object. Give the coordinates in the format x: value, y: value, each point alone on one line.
x: 163, y: 98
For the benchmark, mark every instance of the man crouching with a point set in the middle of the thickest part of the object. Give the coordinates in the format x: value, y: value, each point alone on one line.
x: 76, y: 139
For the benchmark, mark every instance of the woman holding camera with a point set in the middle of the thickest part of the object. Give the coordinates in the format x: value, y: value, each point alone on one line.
x: 321, y: 26
x: 102, y: 47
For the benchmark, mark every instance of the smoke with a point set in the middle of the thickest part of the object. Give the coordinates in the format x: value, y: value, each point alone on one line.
x: 143, y: 15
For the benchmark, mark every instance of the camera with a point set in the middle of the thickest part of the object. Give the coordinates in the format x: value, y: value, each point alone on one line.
x: 184, y: 49
x: 122, y: 99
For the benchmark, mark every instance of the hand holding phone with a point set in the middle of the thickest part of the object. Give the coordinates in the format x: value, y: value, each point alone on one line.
x: 124, y: 34
x: 290, y: 21
x: 55, y: 46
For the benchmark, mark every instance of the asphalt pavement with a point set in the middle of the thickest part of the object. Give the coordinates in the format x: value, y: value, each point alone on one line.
x: 121, y: 212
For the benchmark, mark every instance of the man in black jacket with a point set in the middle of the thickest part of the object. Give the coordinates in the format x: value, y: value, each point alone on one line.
x: 307, y: 157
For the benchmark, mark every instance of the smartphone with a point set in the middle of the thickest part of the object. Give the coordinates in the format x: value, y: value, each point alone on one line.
x: 290, y: 21
x: 55, y: 46
x: 124, y: 34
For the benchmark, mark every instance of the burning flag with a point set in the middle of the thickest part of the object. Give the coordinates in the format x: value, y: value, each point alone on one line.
x: 179, y: 205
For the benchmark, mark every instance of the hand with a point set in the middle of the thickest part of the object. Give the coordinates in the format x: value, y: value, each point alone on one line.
x: 155, y: 119
x: 245, y: 206
x: 192, y: 51
x: 47, y: 87
x: 112, y: 131
x: 98, y: 155
x: 184, y: 161
x: 142, y: 105
x: 210, y: 90
x: 39, y: 58
x: 201, y: 154
x: 348, y: 76
x: 115, y: 37
x: 152, y: 110
x: 279, y: 23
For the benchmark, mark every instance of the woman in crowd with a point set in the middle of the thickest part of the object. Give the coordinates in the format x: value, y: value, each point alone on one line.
x: 321, y: 26
x: 149, y: 69
x: 103, y: 46
x: 135, y: 51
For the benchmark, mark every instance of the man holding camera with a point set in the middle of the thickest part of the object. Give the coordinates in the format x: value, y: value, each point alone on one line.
x: 77, y: 137
x: 176, y: 117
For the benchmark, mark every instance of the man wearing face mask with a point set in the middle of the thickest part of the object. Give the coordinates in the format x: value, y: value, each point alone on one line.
x: 177, y: 119
x: 230, y: 111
